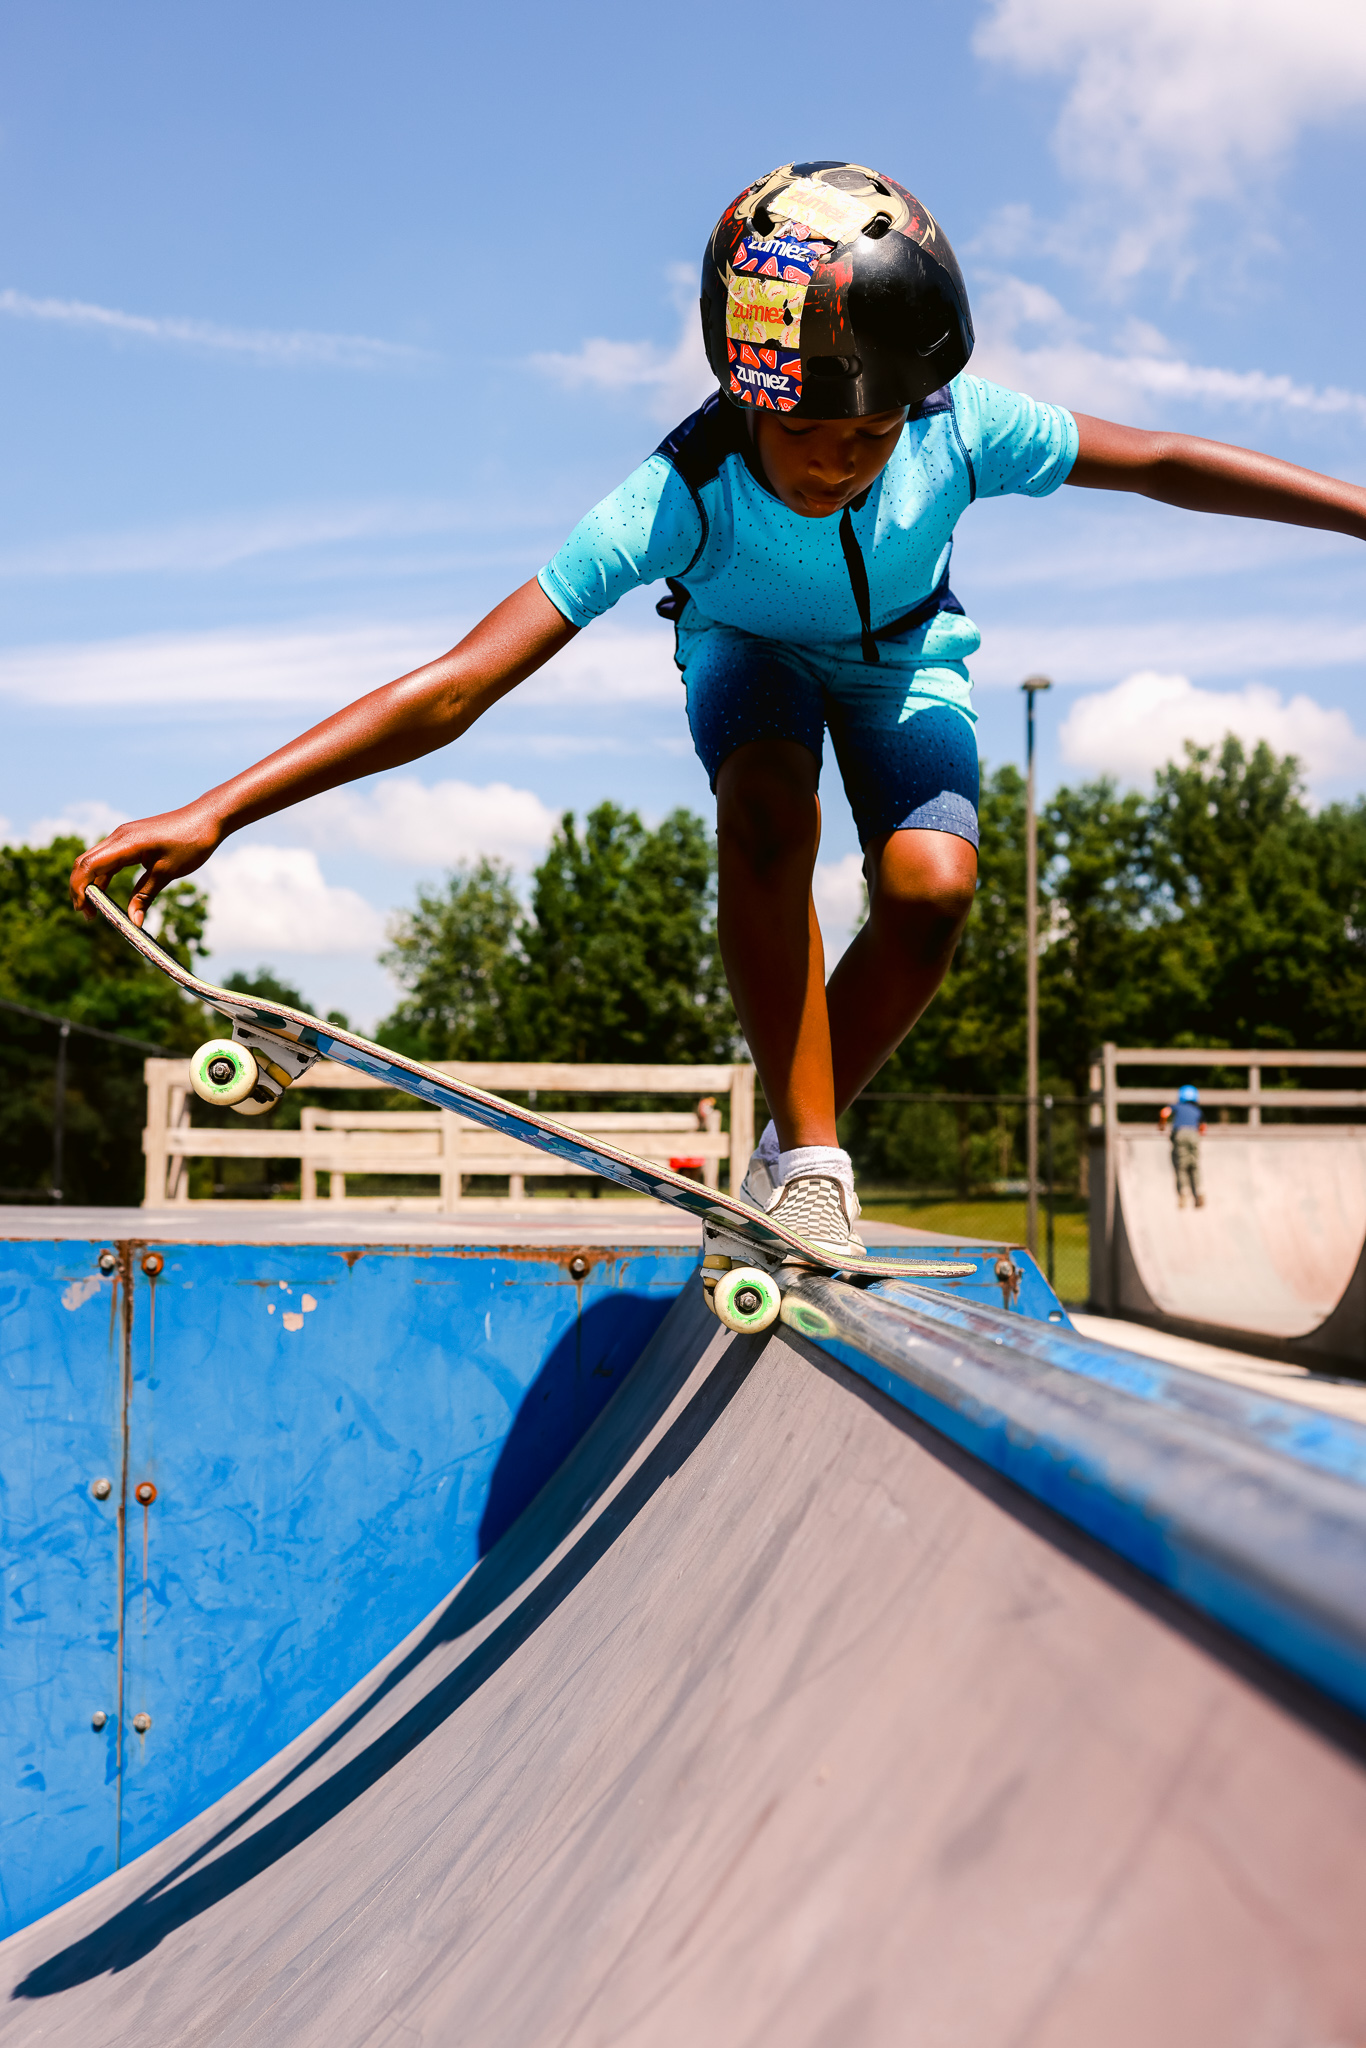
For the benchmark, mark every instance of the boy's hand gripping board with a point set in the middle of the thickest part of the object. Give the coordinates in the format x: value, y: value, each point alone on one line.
x: 272, y: 1047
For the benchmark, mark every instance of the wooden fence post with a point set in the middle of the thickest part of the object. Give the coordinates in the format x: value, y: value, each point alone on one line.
x: 741, y: 1123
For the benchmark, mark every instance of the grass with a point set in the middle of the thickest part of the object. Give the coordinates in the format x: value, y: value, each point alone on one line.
x: 1000, y: 1217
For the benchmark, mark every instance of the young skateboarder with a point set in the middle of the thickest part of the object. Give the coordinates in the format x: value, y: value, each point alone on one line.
x: 1187, y: 1127
x: 803, y: 520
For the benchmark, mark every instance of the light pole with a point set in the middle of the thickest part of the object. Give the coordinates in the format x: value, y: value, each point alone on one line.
x: 1031, y: 687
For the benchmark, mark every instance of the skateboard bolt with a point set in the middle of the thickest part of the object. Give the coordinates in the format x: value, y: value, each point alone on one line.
x: 142, y: 1722
x: 102, y: 1488
x: 98, y: 1719
x: 748, y: 1300
x: 221, y: 1071
x: 578, y: 1266
x: 146, y: 1493
x: 108, y: 1262
x: 153, y: 1264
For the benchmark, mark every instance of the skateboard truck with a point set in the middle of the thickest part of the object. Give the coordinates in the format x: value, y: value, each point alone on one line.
x: 739, y: 1281
x: 250, y: 1071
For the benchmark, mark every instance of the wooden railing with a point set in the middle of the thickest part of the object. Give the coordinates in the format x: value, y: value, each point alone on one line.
x: 332, y: 1144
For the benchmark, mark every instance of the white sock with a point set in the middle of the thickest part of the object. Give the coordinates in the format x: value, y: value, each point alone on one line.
x: 768, y: 1147
x: 827, y: 1159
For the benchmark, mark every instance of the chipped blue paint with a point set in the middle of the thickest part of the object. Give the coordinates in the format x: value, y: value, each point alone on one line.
x: 1330, y: 1442
x: 334, y: 1437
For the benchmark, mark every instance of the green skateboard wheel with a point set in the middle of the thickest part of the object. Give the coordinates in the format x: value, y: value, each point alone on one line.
x: 746, y: 1300
x: 223, y: 1072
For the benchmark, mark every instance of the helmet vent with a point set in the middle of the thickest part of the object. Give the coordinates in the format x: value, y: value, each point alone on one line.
x: 833, y: 366
x: 922, y: 352
x: 878, y: 226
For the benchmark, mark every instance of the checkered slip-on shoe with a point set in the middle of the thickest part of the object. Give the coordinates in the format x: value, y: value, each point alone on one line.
x: 819, y: 1208
x: 758, y: 1186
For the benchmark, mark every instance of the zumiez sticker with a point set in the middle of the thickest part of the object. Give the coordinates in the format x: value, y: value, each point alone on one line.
x: 764, y: 309
x: 764, y: 377
x: 781, y: 256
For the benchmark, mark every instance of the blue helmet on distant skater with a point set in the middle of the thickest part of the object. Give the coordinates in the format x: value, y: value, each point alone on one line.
x: 1190, y: 1093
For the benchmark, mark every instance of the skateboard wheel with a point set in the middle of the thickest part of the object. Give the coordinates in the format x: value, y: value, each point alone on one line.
x: 223, y: 1072
x: 746, y: 1300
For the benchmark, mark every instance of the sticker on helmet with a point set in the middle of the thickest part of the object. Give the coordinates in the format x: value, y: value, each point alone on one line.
x: 764, y: 309
x: 789, y: 257
x: 762, y: 377
x: 836, y: 204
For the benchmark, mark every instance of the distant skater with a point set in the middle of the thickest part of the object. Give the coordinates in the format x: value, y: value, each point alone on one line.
x: 802, y: 521
x: 1187, y: 1127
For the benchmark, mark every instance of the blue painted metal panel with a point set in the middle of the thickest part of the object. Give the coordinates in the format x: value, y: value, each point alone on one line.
x: 1005, y: 1277
x: 334, y: 1435
x: 60, y: 1431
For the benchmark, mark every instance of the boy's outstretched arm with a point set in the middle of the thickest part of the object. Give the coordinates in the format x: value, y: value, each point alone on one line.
x: 398, y: 723
x: 1210, y: 476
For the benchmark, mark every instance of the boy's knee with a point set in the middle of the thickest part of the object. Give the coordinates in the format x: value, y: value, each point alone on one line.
x: 923, y: 895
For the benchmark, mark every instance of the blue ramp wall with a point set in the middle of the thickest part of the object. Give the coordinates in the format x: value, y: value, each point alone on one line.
x: 334, y: 1435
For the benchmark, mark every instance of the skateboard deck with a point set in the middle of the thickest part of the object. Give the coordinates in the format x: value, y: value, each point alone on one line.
x: 285, y: 1043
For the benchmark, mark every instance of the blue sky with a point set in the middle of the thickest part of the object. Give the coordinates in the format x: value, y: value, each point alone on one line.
x: 320, y: 326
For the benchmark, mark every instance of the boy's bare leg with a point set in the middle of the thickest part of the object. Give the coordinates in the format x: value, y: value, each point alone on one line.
x: 921, y: 886
x: 768, y: 828
x: 815, y: 1048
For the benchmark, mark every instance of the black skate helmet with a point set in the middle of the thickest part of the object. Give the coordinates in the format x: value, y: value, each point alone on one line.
x: 829, y: 291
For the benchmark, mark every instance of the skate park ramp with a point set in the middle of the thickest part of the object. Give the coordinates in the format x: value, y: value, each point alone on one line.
x: 1276, y: 1251
x: 774, y: 1719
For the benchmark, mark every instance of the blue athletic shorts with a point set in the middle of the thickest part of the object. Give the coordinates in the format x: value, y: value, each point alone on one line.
x: 902, y: 733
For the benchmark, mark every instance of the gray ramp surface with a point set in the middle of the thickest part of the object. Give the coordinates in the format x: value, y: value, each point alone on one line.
x: 1275, y: 1246
x: 773, y: 1720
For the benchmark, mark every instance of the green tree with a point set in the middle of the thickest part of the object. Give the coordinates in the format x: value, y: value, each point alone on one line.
x: 57, y: 962
x: 616, y: 958
x: 1218, y: 910
x: 266, y: 983
x: 458, y: 954
x: 1265, y: 896
x: 621, y: 951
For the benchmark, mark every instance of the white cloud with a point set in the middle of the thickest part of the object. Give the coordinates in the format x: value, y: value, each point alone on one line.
x: 1145, y: 721
x: 837, y: 886
x: 1174, y: 102
x: 322, y: 667
x: 676, y: 379
x: 181, y: 671
x: 1207, y: 646
x: 1029, y: 342
x: 86, y: 821
x: 430, y: 824
x: 274, y: 898
x: 1113, y: 541
x: 200, y: 546
x: 608, y: 664
x: 294, y: 349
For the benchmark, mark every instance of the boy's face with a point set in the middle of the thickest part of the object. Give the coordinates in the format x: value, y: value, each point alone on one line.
x: 817, y: 467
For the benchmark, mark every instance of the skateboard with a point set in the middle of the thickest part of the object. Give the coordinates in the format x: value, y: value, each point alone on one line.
x: 746, y: 1258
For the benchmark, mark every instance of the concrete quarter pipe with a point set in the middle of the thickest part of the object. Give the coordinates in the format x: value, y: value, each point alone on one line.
x: 1278, y: 1253
x: 774, y: 1719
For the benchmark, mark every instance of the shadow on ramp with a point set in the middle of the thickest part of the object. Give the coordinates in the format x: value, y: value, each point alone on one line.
x: 506, y: 1578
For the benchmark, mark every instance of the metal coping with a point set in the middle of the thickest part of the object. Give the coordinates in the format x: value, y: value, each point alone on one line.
x: 1248, y: 1510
